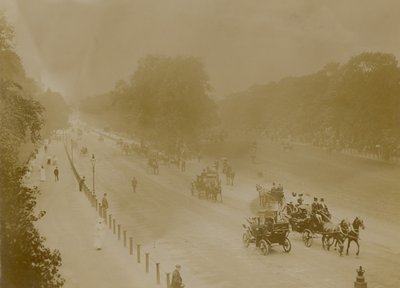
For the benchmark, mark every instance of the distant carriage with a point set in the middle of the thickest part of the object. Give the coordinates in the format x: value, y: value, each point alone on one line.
x: 287, y: 146
x: 84, y: 151
x: 153, y: 165
x: 272, y: 198
x: 208, y: 186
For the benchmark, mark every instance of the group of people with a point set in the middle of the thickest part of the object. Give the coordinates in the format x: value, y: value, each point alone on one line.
x: 319, y: 209
x: 51, y: 160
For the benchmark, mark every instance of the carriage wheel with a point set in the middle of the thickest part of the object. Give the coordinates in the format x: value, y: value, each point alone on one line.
x: 246, y: 239
x: 265, y: 247
x: 307, y: 238
x: 287, y: 246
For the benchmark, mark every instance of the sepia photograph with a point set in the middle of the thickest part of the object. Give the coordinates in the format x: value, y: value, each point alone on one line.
x: 199, y: 144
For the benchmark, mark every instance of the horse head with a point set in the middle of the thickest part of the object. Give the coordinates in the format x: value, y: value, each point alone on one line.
x: 357, y: 223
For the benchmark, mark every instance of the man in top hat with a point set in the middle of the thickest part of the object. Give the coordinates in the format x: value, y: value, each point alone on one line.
x: 176, y: 278
x: 315, y: 209
x: 324, y: 208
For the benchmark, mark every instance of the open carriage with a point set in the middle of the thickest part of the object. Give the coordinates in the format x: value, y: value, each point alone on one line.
x: 207, y: 185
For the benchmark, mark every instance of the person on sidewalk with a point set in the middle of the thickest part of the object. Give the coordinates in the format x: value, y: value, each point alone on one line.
x: 104, y: 202
x: 99, y: 234
x: 81, y: 183
x: 56, y: 172
x: 42, y: 174
x: 134, y: 184
x: 176, y: 281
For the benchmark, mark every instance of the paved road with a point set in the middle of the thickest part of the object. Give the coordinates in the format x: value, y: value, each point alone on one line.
x: 205, y: 237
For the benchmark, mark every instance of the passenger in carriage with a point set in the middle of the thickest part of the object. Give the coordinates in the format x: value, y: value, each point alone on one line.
x: 315, y: 205
x: 324, y: 209
x: 299, y: 200
x: 316, y: 209
x: 280, y: 187
x: 273, y: 188
x: 268, y: 225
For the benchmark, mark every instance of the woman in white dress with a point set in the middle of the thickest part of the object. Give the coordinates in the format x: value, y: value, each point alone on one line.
x: 42, y: 174
x: 99, y: 234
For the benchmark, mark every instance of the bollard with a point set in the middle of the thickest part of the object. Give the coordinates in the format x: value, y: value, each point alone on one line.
x: 119, y: 231
x: 114, y: 226
x: 168, y: 280
x: 109, y: 221
x: 130, y: 245
x: 138, y: 252
x: 360, y: 280
x: 147, y: 262
x: 158, y: 272
x: 124, y: 238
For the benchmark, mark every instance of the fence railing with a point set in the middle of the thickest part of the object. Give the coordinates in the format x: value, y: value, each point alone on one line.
x: 116, y: 229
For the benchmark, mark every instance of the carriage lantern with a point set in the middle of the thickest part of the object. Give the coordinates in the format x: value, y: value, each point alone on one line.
x: 93, y: 161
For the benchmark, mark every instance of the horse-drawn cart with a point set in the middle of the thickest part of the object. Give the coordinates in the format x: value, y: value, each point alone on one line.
x: 208, y: 186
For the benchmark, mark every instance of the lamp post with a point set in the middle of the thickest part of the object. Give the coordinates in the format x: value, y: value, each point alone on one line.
x: 93, y: 161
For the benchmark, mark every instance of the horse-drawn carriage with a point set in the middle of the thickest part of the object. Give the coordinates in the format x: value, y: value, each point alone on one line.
x: 207, y: 185
x: 84, y: 151
x: 267, y: 234
x: 272, y: 198
x: 153, y: 166
x: 228, y: 171
x: 287, y: 146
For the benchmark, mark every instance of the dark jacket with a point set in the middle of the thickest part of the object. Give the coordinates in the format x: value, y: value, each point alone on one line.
x: 176, y: 280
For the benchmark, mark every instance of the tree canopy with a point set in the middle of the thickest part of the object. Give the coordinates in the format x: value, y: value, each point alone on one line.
x: 357, y: 102
x: 165, y: 99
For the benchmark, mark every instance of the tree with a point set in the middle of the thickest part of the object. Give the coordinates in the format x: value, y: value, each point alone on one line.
x: 165, y: 100
x: 25, y: 261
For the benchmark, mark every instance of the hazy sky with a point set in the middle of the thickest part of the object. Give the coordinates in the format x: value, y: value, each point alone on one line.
x: 83, y: 47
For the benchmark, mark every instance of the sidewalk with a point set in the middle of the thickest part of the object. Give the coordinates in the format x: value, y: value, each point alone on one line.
x: 69, y: 226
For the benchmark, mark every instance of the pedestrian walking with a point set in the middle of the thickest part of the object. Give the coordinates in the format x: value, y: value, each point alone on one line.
x: 49, y: 160
x: 104, y: 205
x: 99, y: 234
x: 56, y: 172
x: 81, y: 183
x: 176, y: 281
x: 42, y: 174
x: 134, y: 184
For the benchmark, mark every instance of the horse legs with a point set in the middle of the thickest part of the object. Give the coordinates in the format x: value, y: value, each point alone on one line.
x: 358, y: 247
x: 348, y: 246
